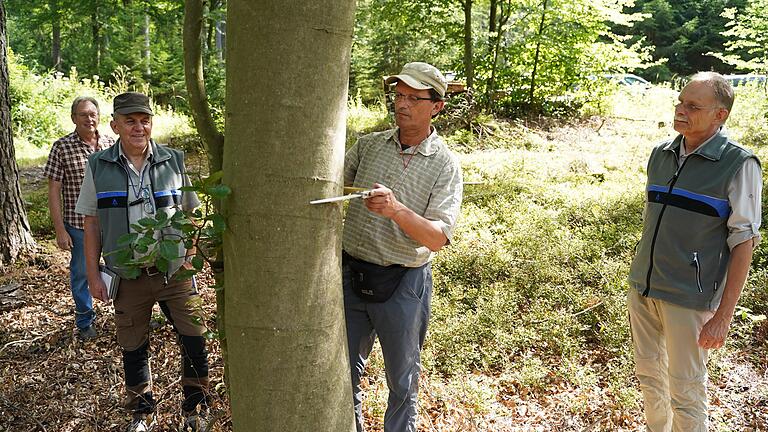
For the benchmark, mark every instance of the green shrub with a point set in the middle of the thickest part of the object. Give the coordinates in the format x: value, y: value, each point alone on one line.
x: 749, y: 119
x: 37, y: 213
x: 532, y: 270
x: 363, y: 119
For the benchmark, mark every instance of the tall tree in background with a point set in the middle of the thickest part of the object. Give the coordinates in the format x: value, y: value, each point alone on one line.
x: 15, y: 235
x: 287, y: 73
x: 391, y: 33
x: 55, y: 35
x: 683, y: 34
x: 212, y: 139
x: 469, y: 73
x: 747, y: 34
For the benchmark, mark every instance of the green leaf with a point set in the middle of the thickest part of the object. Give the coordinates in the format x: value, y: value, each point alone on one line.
x: 188, y: 228
x: 169, y: 250
x: 197, y: 262
x: 127, y: 239
x: 138, y: 228
x: 219, y: 191
x: 146, y: 241
x: 141, y: 249
x: 184, y: 274
x: 161, y: 216
x: 219, y: 224
x: 162, y: 264
x: 122, y: 256
x: 131, y: 272
x: 147, y: 222
x: 213, y: 178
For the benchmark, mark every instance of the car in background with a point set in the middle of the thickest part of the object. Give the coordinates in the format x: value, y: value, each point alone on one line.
x: 629, y: 80
x: 738, y: 80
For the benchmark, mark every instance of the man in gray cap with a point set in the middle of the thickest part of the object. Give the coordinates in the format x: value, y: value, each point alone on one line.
x: 391, y: 236
x: 132, y: 180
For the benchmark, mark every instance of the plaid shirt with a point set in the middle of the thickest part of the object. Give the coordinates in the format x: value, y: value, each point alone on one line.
x: 431, y: 186
x: 66, y: 164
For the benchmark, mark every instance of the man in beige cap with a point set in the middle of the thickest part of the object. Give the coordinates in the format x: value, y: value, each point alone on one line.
x: 390, y: 238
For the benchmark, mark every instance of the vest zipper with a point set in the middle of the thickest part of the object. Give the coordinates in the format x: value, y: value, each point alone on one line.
x: 698, y: 270
x: 671, y: 182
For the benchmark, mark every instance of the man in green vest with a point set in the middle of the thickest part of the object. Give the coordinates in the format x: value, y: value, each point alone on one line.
x: 132, y: 180
x: 700, y: 227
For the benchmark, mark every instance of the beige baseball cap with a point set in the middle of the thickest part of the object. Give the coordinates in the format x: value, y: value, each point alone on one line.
x: 421, y: 76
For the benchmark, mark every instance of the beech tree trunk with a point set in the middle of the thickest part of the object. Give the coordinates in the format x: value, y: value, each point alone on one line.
x: 469, y: 70
x: 55, y: 35
x: 287, y: 77
x: 539, y: 40
x: 147, y: 52
x: 15, y: 235
x: 212, y: 139
x: 96, y: 36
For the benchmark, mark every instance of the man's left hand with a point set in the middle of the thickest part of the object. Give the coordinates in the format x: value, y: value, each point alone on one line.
x: 382, y: 201
x: 714, y: 332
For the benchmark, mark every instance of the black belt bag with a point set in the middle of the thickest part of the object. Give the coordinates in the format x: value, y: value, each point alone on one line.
x: 371, y: 282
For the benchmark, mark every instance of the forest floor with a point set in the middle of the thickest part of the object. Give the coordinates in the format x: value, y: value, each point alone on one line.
x: 52, y: 381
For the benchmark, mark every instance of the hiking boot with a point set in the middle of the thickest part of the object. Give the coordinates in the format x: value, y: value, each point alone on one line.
x: 87, y: 333
x: 195, y: 421
x: 141, y: 423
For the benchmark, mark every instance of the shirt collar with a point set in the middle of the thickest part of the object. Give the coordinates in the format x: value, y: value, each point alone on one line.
x: 711, y: 149
x: 82, y: 141
x: 719, y: 131
x: 122, y: 155
x: 428, y: 147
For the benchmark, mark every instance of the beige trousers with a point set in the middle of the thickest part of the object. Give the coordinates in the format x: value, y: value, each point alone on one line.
x: 671, y: 367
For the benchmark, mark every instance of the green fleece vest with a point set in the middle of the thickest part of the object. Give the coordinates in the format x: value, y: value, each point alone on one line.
x: 683, y: 255
x: 110, y: 176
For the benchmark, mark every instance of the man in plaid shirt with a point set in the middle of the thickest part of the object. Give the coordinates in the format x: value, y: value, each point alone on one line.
x: 65, y: 169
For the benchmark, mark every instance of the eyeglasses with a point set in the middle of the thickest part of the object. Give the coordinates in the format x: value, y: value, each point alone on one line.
x: 87, y: 115
x: 689, y: 107
x: 410, y: 99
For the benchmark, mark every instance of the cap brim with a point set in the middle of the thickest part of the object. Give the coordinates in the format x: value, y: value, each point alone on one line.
x: 134, y: 109
x: 407, y: 80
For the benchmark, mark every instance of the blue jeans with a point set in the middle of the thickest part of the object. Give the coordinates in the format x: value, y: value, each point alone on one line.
x: 78, y: 283
x: 401, y: 326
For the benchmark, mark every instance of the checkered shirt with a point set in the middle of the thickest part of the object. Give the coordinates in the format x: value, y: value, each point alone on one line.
x: 431, y: 186
x: 66, y: 164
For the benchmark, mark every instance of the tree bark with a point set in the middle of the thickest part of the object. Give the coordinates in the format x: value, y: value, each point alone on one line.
x: 491, y: 85
x: 287, y: 77
x: 96, y: 36
x: 468, y: 64
x: 492, y: 16
x: 539, y: 36
x: 147, y: 47
x: 212, y: 139
x: 15, y: 235
x: 55, y: 35
x: 221, y: 36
